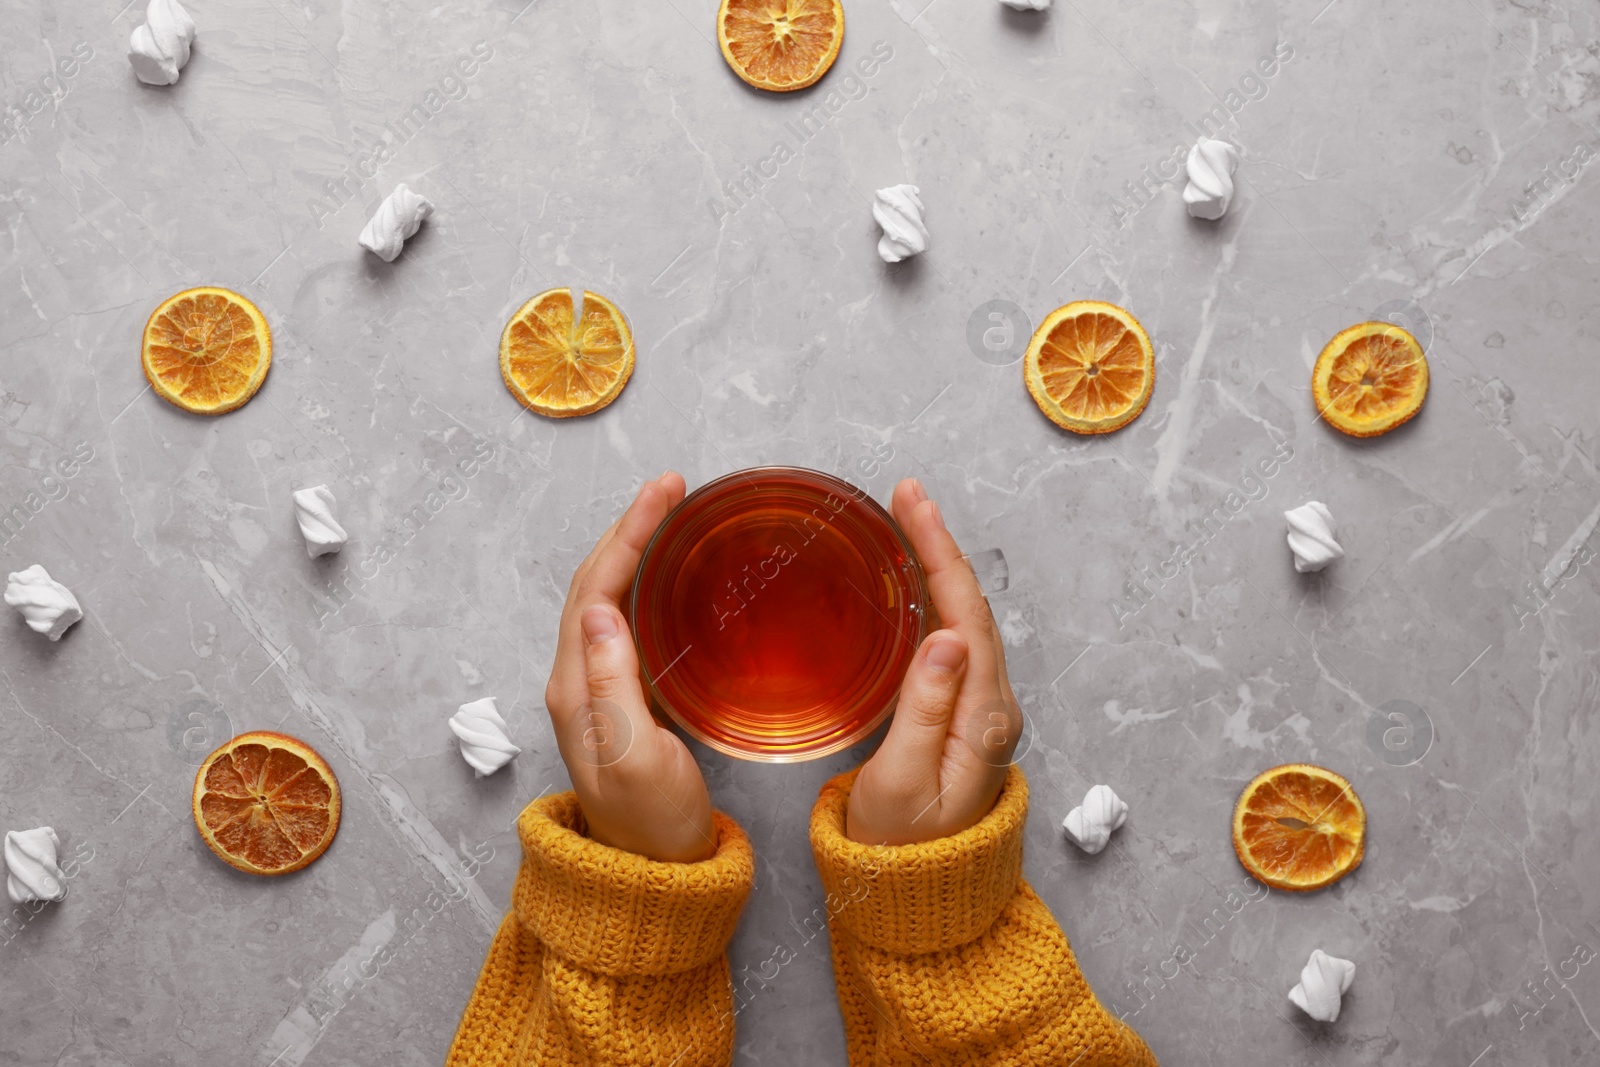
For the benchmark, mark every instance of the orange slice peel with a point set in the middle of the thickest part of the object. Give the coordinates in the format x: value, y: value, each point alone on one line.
x: 1299, y: 827
x: 1369, y: 379
x: 266, y: 803
x: 1090, y: 367
x: 206, y: 350
x: 561, y: 364
x: 780, y: 45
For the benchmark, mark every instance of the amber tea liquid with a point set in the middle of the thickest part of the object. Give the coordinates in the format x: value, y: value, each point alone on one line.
x: 776, y: 611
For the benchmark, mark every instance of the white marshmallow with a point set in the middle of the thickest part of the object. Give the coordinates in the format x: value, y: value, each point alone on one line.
x: 48, y: 605
x: 1089, y: 825
x: 159, y: 48
x: 898, y: 210
x: 1311, y: 533
x: 397, y: 219
x: 313, y: 510
x: 1323, y: 981
x: 1210, y: 166
x: 31, y: 870
x: 482, y: 732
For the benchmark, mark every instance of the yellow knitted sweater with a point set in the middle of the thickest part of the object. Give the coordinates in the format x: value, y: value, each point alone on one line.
x: 942, y: 953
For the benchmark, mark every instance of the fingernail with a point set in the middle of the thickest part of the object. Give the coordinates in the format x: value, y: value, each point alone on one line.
x: 946, y: 654
x: 916, y: 490
x: 938, y: 518
x: 599, y: 625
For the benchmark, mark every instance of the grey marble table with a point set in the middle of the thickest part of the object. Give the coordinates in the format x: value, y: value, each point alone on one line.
x: 1427, y: 161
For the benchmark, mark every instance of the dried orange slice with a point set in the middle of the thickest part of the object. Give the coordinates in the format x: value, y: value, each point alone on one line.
x: 1090, y: 367
x: 266, y: 803
x: 781, y: 45
x: 1369, y: 379
x: 207, y: 350
x: 561, y: 367
x: 1299, y: 827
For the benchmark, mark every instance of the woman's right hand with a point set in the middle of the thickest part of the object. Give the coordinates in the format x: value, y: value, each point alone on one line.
x: 945, y: 758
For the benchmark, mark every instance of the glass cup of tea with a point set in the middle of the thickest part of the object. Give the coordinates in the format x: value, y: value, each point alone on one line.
x: 776, y: 611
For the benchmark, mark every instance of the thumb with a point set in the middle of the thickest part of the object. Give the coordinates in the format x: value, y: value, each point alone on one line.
x: 921, y: 724
x: 617, y: 711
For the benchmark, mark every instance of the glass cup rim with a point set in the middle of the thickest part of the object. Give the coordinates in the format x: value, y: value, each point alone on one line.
x: 855, y: 492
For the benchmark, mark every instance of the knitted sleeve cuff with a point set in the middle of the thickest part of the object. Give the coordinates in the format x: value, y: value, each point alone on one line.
x: 618, y: 913
x: 926, y: 897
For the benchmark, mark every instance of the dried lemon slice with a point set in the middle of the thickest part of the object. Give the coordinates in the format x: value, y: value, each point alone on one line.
x: 1369, y: 379
x: 562, y: 366
x: 781, y: 45
x: 1090, y: 367
x: 206, y: 350
x: 1299, y: 827
x: 266, y: 803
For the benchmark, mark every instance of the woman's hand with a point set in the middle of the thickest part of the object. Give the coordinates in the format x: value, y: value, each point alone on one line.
x: 941, y: 766
x: 639, y: 787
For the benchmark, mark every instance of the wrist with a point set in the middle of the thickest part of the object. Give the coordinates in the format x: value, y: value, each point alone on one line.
x: 931, y: 821
x: 694, y: 847
x: 927, y: 896
x: 685, y: 841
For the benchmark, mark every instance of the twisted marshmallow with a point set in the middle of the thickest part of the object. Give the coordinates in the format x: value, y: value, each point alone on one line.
x: 1311, y: 537
x: 31, y: 871
x: 397, y: 218
x: 899, y: 211
x: 1323, y: 981
x: 1089, y: 825
x: 159, y: 48
x: 482, y: 732
x: 313, y: 510
x: 1210, y: 190
x: 48, y: 605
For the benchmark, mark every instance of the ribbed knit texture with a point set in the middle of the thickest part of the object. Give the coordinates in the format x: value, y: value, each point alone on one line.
x: 942, y: 954
x: 608, y: 958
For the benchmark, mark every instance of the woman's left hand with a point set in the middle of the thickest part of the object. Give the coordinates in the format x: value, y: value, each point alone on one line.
x: 639, y: 787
